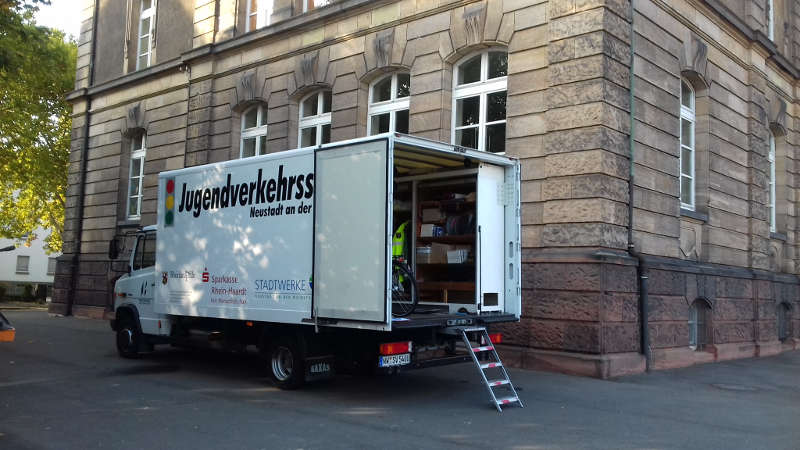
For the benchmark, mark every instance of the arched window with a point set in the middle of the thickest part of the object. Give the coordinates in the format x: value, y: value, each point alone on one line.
x: 388, y: 104
x: 699, y: 329
x: 254, y: 131
x: 687, y: 154
x: 136, y: 175
x: 315, y: 119
x: 784, y: 314
x: 771, y: 157
x: 479, y: 101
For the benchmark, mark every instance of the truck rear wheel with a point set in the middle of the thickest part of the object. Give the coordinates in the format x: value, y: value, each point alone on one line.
x: 128, y: 338
x: 287, y: 363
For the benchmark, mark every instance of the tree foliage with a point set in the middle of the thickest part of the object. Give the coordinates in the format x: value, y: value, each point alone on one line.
x: 37, y: 69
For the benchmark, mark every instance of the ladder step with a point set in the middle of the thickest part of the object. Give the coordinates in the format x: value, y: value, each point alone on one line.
x: 491, y: 365
x: 498, y: 382
x: 507, y: 400
x: 482, y: 349
x: 473, y: 329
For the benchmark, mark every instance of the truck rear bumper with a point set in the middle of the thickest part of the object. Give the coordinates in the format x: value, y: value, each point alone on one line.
x: 444, y: 320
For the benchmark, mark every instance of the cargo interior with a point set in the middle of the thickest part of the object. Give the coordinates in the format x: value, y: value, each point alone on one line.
x: 436, y: 195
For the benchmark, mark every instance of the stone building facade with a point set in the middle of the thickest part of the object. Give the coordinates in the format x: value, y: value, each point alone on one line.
x: 658, y: 142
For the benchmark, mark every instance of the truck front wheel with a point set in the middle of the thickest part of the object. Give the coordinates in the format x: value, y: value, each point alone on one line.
x: 128, y: 338
x: 287, y: 363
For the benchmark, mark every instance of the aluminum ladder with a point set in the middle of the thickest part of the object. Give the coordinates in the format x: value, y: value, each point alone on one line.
x: 485, y: 347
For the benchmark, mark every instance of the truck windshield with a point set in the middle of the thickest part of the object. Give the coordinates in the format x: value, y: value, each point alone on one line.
x: 145, y: 251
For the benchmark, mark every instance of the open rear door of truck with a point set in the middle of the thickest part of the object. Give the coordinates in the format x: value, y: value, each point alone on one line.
x: 352, y: 239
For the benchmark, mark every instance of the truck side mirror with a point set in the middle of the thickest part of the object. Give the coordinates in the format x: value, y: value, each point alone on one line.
x: 113, y: 249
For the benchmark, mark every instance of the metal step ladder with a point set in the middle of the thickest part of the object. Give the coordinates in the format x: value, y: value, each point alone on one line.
x: 486, y: 348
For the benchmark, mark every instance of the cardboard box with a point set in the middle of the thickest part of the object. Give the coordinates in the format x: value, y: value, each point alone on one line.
x: 426, y: 230
x: 423, y: 255
x: 439, y: 253
x: 457, y: 256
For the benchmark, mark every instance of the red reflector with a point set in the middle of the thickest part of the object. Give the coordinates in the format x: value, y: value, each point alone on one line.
x: 159, y: 324
x: 249, y: 324
x: 496, y: 338
x: 395, y: 348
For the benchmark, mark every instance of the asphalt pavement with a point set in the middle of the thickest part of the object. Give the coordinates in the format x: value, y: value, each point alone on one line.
x: 62, y: 386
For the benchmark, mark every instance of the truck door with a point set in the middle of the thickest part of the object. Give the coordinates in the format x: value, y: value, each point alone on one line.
x: 491, y: 236
x: 141, y: 284
x: 352, y: 241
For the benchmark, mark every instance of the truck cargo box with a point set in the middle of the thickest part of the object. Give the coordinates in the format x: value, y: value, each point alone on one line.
x: 305, y: 236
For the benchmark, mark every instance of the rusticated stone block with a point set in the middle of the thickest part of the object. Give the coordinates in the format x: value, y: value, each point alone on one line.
x: 621, y: 278
x: 570, y: 336
x: 767, y: 331
x: 726, y: 309
x: 734, y: 288
x: 668, y: 308
x: 584, y: 235
x: 728, y: 332
x: 564, y: 305
x: 666, y: 282
x: 573, y: 277
x: 515, y: 333
x: 669, y: 334
x: 620, y: 308
x: 767, y: 310
x: 620, y: 337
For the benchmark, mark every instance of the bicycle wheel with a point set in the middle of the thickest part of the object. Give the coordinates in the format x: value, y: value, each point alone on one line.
x: 404, y: 290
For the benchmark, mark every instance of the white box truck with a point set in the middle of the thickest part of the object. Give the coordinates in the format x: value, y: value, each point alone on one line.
x: 292, y: 252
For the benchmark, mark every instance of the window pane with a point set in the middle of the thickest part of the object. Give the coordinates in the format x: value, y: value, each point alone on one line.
x: 136, y: 143
x: 403, y: 84
x: 496, y: 106
x: 262, y: 145
x: 686, y: 95
x: 142, y: 63
x: 253, y: 6
x: 498, y: 64
x: 496, y: 138
x: 686, y: 190
x: 380, y: 124
x: 310, y: 106
x: 136, y: 167
x: 687, y: 133
x: 686, y: 161
x: 467, y: 137
x: 382, y: 90
x: 146, y: 4
x: 133, y: 206
x: 326, y: 134
x: 134, y: 186
x: 248, y: 147
x: 149, y: 254
x: 467, y: 111
x: 401, y: 121
x: 145, y: 27
x: 326, y: 102
x: 144, y: 45
x: 470, y: 70
x: 263, y: 119
x: 308, y: 136
x: 250, y: 118
x: 253, y: 22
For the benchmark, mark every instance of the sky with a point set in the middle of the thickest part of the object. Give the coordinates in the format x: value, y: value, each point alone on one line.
x: 61, y: 14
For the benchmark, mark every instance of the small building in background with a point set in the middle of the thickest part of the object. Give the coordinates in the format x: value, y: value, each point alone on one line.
x: 27, y: 271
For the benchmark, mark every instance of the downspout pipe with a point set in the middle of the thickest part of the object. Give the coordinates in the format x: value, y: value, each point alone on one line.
x: 641, y: 267
x: 75, y: 263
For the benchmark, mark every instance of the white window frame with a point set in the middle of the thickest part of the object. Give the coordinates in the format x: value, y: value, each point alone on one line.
x: 772, y: 197
x: 51, y: 265
x: 319, y: 120
x: 23, y: 269
x: 687, y: 114
x: 391, y: 106
x: 771, y: 20
x: 254, y: 132
x: 139, y: 153
x: 263, y: 15
x: 481, y: 88
x: 145, y: 14
x: 317, y: 4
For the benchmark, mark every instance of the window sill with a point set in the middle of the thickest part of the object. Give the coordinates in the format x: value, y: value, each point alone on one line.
x: 19, y: 272
x: 778, y: 236
x: 694, y: 215
x: 128, y: 223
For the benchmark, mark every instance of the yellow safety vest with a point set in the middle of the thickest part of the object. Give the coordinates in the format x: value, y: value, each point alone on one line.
x: 399, y: 241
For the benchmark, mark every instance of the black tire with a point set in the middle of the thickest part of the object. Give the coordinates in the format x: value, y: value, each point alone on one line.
x: 286, y: 363
x: 129, y: 337
x: 405, y: 295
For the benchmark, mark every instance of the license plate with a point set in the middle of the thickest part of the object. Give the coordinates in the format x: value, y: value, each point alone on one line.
x: 394, y: 360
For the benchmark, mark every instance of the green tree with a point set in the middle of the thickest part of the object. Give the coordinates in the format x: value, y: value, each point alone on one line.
x: 37, y: 68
